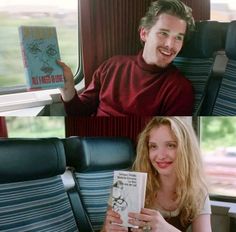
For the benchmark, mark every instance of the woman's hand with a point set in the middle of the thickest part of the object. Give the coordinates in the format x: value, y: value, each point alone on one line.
x: 151, y: 220
x: 111, y: 218
x: 68, y: 91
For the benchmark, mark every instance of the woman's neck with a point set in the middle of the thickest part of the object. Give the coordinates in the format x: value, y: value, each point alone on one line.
x: 168, y: 184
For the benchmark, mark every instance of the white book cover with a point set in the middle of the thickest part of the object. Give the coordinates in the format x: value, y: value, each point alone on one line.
x: 128, y: 193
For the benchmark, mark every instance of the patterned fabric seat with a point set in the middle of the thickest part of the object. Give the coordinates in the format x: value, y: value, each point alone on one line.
x: 196, y: 59
x: 94, y: 160
x: 95, y: 189
x: 225, y: 103
x: 32, y: 194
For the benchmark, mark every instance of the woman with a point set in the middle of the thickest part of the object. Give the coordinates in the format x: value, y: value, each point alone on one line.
x: 176, y: 194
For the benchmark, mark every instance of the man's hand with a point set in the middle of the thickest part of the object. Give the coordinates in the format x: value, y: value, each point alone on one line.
x: 68, y: 91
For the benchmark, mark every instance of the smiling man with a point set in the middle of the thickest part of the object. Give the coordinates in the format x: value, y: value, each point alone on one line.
x: 146, y: 84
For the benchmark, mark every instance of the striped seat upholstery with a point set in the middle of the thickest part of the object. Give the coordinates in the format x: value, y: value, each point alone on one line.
x: 198, y: 71
x: 225, y: 103
x: 32, y: 194
x: 196, y: 59
x: 38, y: 205
x: 94, y: 160
x: 226, y: 100
x: 95, y: 189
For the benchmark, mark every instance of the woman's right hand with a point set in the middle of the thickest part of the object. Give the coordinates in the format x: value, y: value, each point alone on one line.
x: 111, y: 218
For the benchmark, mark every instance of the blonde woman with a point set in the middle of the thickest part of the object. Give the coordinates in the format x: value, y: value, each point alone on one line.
x: 176, y: 195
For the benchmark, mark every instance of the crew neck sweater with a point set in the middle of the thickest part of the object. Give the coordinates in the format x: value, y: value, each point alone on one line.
x: 126, y: 85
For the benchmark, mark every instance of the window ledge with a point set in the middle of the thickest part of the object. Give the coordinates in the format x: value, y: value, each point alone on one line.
x: 224, y: 208
x: 30, y: 103
x: 22, y: 101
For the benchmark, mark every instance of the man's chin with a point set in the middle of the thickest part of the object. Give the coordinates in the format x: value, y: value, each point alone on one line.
x: 162, y: 65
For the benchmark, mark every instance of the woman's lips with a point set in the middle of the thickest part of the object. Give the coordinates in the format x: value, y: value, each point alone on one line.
x: 163, y: 164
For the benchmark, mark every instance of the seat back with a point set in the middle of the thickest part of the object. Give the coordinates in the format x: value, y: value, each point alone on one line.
x: 225, y: 103
x: 196, y: 58
x: 216, y: 77
x: 94, y: 160
x: 32, y: 194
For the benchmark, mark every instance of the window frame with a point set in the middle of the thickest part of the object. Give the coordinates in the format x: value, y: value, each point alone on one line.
x: 17, y: 91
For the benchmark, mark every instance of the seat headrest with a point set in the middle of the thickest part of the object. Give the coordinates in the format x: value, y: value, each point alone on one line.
x: 230, y: 47
x: 29, y: 159
x: 204, y: 41
x: 87, y: 154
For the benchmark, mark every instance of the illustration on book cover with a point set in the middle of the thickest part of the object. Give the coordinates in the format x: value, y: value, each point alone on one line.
x: 128, y: 193
x: 40, y: 51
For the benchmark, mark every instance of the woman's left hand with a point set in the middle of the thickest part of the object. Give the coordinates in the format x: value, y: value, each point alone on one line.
x: 150, y: 220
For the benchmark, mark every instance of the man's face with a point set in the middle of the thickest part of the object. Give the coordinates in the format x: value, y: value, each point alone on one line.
x: 164, y: 40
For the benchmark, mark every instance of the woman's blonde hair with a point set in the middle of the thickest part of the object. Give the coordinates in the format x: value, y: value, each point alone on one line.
x: 191, y: 188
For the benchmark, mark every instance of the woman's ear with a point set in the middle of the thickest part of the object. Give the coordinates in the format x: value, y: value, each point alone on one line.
x: 143, y: 34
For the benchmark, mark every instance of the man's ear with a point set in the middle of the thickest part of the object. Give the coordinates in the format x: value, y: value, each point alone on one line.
x: 143, y: 34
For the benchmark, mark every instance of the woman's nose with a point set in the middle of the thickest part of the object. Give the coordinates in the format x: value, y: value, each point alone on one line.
x: 161, y: 153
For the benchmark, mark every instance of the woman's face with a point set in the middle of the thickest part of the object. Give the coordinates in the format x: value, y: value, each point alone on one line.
x: 162, y: 146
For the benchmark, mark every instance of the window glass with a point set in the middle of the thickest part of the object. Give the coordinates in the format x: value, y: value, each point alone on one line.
x: 35, y: 127
x: 218, y: 144
x: 223, y: 10
x: 60, y: 13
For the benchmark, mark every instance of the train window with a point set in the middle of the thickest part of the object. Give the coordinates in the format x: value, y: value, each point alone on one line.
x: 218, y: 143
x: 223, y: 10
x: 61, y: 13
x: 35, y: 127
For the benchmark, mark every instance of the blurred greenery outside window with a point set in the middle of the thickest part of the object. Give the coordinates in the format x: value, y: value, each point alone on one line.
x: 35, y: 127
x: 62, y: 14
x: 218, y: 144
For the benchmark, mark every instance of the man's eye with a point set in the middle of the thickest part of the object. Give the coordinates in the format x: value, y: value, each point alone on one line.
x: 163, y: 33
x: 180, y: 38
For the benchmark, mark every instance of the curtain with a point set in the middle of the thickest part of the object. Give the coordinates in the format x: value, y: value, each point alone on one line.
x: 109, y: 27
x: 3, y: 128
x: 105, y: 126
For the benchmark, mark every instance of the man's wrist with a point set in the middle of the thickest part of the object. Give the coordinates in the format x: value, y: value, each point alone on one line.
x: 67, y: 95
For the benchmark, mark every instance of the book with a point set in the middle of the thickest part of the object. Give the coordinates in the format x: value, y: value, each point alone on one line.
x: 128, y: 193
x: 40, y: 50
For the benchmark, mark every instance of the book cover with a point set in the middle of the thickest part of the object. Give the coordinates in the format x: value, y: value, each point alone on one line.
x: 128, y: 193
x: 40, y: 50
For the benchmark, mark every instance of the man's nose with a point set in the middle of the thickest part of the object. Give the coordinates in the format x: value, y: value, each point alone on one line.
x: 170, y: 42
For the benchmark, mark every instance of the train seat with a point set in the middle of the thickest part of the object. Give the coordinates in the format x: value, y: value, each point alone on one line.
x: 218, y: 71
x: 196, y: 58
x: 94, y: 159
x: 225, y: 102
x: 32, y: 194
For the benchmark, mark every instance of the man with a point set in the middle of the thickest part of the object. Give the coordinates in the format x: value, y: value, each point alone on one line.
x: 146, y: 84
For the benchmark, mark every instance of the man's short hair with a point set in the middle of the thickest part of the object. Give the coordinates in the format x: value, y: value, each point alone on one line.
x: 172, y: 7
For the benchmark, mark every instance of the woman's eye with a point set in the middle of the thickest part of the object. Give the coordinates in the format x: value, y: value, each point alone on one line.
x: 152, y: 147
x: 171, y: 145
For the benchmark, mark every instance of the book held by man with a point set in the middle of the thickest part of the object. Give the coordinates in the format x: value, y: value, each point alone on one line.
x: 40, y: 50
x: 128, y: 193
